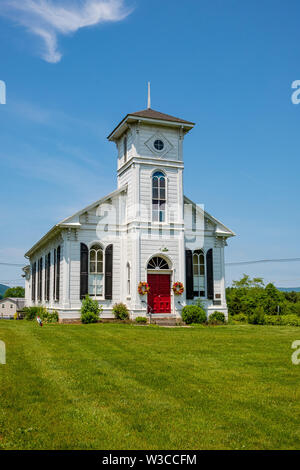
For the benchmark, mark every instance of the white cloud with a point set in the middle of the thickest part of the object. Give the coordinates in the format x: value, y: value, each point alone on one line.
x: 49, y: 18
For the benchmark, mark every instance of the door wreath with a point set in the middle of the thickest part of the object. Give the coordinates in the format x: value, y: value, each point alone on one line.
x: 143, y: 288
x: 178, y: 288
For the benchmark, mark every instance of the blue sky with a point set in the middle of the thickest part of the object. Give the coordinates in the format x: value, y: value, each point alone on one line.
x: 226, y: 65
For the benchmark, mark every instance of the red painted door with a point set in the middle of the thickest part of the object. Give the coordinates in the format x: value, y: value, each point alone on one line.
x: 159, y: 297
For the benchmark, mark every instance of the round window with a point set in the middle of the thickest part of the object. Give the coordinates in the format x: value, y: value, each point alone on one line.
x: 159, y: 145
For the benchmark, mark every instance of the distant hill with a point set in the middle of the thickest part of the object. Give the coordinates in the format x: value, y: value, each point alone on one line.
x: 3, y: 289
x: 289, y: 289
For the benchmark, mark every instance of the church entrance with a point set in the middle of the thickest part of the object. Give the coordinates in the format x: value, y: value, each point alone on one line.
x: 159, y: 297
x: 159, y: 280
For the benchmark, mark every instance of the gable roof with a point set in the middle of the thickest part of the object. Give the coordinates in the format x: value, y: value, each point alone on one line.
x: 73, y: 220
x: 18, y: 301
x: 149, y: 115
x: 221, y: 229
x: 152, y: 114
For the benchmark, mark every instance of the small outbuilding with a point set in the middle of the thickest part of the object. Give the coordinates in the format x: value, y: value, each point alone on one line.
x: 10, y: 306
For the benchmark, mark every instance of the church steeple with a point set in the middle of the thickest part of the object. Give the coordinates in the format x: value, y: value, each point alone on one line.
x: 150, y: 142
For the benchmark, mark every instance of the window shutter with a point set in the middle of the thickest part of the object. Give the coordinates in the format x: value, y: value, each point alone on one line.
x: 33, y: 282
x: 84, y: 268
x: 46, y: 277
x: 108, y: 272
x: 189, y: 274
x: 210, y: 274
x: 57, y: 273
x: 40, y: 279
x: 54, y: 273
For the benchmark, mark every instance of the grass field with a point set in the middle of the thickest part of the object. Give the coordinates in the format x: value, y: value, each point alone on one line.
x: 110, y: 386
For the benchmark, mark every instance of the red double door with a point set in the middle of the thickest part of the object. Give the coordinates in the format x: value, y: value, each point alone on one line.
x: 159, y: 297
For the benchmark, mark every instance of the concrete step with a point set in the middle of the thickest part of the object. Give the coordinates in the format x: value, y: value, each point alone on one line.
x: 164, y: 321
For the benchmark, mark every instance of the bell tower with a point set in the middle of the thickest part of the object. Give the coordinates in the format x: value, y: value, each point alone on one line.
x: 150, y: 143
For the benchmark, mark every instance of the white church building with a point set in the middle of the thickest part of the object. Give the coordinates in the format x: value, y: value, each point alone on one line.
x: 147, y: 230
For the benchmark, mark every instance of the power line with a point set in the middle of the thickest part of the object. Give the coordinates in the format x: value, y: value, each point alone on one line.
x: 12, y: 264
x: 239, y: 263
x: 283, y: 260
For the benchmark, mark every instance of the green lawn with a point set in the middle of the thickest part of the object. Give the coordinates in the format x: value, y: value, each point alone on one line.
x: 110, y: 386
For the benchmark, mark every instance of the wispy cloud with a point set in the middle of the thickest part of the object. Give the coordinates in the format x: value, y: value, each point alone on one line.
x: 49, y: 18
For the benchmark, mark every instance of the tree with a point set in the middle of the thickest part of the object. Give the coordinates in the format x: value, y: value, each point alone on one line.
x: 247, y: 294
x: 15, y: 292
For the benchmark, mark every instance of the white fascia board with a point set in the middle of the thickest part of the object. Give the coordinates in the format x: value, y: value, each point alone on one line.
x: 221, y: 229
x: 91, y: 206
x: 116, y: 134
x: 69, y: 221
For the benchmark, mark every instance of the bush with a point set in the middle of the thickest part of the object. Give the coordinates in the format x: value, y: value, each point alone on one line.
x: 89, y: 317
x: 295, y: 308
x: 141, y: 320
x: 120, y: 311
x: 216, y: 318
x: 290, y: 320
x: 282, y: 320
x: 48, y: 317
x: 273, y: 320
x: 32, y: 312
x: 193, y: 314
x: 90, y: 310
x: 90, y: 306
x: 257, y: 317
x: 240, y: 317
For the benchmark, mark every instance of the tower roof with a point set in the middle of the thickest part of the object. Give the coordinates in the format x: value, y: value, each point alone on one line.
x: 152, y: 114
x: 149, y: 115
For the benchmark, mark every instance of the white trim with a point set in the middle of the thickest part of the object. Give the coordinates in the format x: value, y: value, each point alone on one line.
x: 225, y: 231
x: 65, y: 224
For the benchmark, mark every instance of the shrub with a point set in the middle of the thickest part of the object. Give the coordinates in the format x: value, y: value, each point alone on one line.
x: 257, y: 317
x: 141, y: 320
x: 89, y: 317
x: 216, y: 318
x: 90, y: 310
x: 90, y: 306
x: 240, y: 317
x: 273, y: 320
x: 193, y: 314
x: 32, y: 312
x: 295, y: 308
x: 290, y: 320
x: 283, y: 320
x: 120, y: 311
x: 48, y: 317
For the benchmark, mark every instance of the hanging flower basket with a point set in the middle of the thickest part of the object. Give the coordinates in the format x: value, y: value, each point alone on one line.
x: 178, y: 288
x: 143, y: 288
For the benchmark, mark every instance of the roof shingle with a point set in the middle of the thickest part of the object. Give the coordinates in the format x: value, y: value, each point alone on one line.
x: 152, y: 114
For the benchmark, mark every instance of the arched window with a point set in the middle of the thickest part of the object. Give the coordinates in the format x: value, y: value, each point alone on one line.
x: 96, y: 271
x: 158, y: 263
x: 128, y: 279
x: 125, y: 149
x: 159, y: 197
x: 199, y: 273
